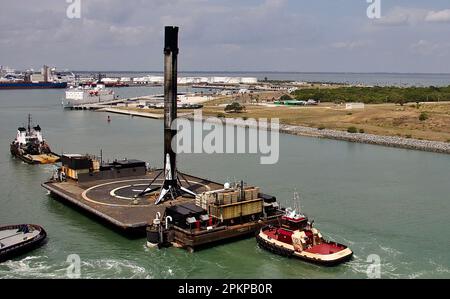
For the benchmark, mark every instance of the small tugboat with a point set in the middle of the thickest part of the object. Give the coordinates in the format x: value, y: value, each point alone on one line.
x: 296, y: 237
x: 19, y: 239
x: 30, y: 146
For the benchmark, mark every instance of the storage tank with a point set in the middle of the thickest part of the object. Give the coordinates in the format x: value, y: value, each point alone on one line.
x: 249, y: 80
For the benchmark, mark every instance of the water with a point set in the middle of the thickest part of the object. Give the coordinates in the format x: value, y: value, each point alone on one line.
x: 390, y: 202
x: 376, y: 79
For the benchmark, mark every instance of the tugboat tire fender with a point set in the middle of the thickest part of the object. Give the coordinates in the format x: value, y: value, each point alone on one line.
x: 275, y: 249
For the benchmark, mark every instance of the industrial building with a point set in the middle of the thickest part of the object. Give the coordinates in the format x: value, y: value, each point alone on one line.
x: 197, y: 80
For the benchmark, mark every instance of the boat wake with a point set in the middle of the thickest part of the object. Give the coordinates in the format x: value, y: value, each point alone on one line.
x: 40, y: 267
x: 30, y: 267
x: 435, y: 270
x: 394, y: 265
x: 391, y: 252
x: 391, y: 264
x: 109, y: 268
x: 388, y: 269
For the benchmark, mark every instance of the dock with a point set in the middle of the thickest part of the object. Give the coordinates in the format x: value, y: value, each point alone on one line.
x: 109, y: 104
x: 115, y: 201
x: 132, y: 113
x: 125, y: 111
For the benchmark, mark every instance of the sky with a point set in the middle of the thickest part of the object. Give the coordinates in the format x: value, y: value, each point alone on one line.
x: 412, y: 36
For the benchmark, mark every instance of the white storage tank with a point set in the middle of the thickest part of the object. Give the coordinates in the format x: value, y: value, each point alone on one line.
x: 249, y: 80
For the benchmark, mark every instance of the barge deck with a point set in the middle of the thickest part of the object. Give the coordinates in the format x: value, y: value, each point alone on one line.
x: 116, y: 200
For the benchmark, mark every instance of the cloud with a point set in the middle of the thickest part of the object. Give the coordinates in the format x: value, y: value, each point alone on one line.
x: 400, y: 16
x: 351, y: 45
x: 299, y: 35
x: 429, y: 48
x: 441, y: 16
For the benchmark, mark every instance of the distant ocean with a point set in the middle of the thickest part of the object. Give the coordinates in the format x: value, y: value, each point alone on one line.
x: 378, y: 79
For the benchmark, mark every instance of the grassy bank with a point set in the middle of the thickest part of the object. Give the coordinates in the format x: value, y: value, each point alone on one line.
x: 384, y: 119
x: 430, y: 121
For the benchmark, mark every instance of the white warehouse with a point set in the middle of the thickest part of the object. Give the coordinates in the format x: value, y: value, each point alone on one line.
x: 198, y: 80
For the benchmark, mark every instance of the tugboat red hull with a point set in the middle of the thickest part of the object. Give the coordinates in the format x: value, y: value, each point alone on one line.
x: 325, y: 254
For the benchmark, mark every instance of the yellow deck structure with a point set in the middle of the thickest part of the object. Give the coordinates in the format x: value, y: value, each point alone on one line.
x: 44, y: 159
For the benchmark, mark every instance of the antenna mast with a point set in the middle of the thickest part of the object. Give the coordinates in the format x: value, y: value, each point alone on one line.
x: 296, y: 200
x: 29, y: 123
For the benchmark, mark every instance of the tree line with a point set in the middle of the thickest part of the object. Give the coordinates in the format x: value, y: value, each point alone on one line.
x: 375, y: 95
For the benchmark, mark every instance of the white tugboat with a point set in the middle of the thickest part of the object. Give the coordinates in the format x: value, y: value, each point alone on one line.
x: 31, y: 147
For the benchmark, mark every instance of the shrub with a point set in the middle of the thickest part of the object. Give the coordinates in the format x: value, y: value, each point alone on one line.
x: 352, y: 130
x: 220, y: 115
x: 362, y: 131
x: 285, y: 97
x: 234, y: 107
x: 423, y: 116
x: 409, y: 136
x: 401, y: 101
x: 349, y: 113
x: 321, y: 128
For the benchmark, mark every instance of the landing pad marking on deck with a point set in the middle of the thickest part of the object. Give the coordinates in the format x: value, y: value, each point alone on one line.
x: 113, y: 192
x: 86, y: 198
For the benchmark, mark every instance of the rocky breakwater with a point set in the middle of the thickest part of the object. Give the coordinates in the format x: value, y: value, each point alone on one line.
x: 391, y: 141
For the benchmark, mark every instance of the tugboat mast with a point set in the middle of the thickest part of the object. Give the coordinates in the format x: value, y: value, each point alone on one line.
x: 29, y: 123
x: 297, y: 205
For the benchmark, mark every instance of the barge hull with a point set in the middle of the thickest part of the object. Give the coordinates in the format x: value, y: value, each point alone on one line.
x: 198, y: 240
x: 30, y: 85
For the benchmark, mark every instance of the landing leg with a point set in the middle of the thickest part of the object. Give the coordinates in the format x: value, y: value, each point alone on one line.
x: 149, y: 189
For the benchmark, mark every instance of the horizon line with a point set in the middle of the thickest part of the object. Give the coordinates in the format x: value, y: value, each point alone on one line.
x: 268, y: 72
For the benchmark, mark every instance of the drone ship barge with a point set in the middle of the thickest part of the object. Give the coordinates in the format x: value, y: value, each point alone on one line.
x: 295, y: 236
x: 31, y: 147
x: 111, y: 191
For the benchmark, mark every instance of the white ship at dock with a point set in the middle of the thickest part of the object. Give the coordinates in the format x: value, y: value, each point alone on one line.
x: 85, y: 95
